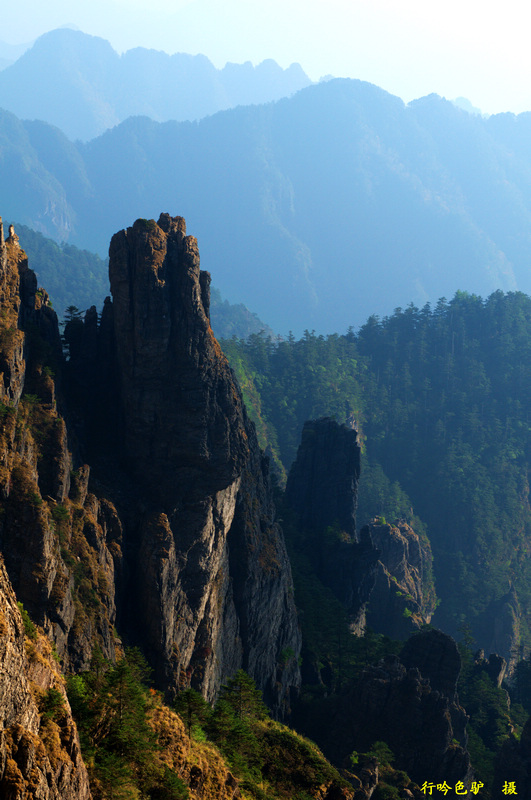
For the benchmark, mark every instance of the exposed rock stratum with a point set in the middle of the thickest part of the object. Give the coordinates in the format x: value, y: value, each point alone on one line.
x: 136, y: 497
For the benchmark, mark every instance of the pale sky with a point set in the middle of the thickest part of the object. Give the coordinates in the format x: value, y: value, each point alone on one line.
x: 478, y: 50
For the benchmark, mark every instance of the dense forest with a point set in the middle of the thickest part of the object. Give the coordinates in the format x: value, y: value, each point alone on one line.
x: 441, y: 396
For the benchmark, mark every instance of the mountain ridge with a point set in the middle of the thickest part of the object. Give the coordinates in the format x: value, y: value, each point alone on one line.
x: 340, y: 182
x: 95, y: 88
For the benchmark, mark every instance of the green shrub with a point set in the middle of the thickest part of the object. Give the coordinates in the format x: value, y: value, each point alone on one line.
x: 35, y: 499
x: 60, y: 513
x: 146, y: 224
x: 29, y: 628
x: 52, y: 704
x: 30, y: 399
x: 382, y: 752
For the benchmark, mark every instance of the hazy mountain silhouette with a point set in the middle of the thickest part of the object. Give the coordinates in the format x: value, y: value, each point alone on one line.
x: 314, y: 211
x: 79, y: 83
x: 10, y: 52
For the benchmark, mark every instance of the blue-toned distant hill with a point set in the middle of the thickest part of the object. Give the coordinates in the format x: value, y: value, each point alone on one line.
x: 314, y: 211
x: 10, y: 52
x: 79, y: 83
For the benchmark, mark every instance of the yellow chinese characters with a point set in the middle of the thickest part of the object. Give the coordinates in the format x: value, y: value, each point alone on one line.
x: 509, y: 787
x: 459, y: 788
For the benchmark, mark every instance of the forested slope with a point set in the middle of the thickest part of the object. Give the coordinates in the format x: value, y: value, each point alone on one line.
x: 442, y: 398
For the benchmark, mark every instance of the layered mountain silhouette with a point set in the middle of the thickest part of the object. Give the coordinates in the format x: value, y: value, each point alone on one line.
x: 314, y: 211
x: 79, y: 83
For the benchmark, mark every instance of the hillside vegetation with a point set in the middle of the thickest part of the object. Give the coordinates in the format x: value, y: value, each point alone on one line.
x: 442, y: 399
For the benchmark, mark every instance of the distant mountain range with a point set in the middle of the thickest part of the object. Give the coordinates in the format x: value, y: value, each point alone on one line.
x: 10, y: 52
x: 314, y: 211
x: 79, y: 83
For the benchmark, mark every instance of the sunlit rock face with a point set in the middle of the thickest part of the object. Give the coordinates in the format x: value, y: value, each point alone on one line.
x: 38, y: 758
x: 136, y: 498
x: 209, y: 581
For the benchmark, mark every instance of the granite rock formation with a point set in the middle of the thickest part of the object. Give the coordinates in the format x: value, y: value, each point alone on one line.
x: 402, y: 599
x: 386, y: 568
x: 322, y: 486
x: 500, y: 627
x: 39, y: 757
x: 321, y: 492
x: 495, y: 666
x: 390, y: 693
x: 411, y: 704
x: 135, y: 494
x: 55, y: 537
x: 208, y: 586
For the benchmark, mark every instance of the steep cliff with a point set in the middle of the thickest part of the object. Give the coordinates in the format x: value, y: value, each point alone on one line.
x: 39, y: 746
x: 60, y: 544
x: 322, y: 485
x: 135, y: 495
x: 383, y: 576
x: 208, y: 582
x: 321, y: 493
x: 410, y: 703
x: 403, y: 597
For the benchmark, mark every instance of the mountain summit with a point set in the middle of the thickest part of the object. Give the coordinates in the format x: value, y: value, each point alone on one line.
x: 80, y: 84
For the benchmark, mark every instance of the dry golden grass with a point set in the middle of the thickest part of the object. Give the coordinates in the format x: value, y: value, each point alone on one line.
x: 199, y: 764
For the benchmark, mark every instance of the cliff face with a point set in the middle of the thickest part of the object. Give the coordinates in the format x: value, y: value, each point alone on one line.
x: 322, y: 485
x: 54, y: 536
x: 208, y: 586
x: 402, y: 599
x: 386, y: 567
x: 419, y: 688
x: 321, y: 492
x: 39, y: 754
x: 500, y: 627
x: 182, y: 413
x: 410, y: 703
x: 137, y: 495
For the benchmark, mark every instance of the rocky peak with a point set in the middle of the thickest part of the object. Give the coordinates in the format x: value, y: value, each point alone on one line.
x: 182, y: 413
x: 24, y: 307
x: 500, y: 627
x: 495, y: 666
x: 403, y: 596
x: 321, y: 493
x: 42, y: 538
x: 208, y: 585
x: 145, y: 503
x: 397, y: 703
x: 436, y: 655
x: 322, y: 486
x: 388, y: 564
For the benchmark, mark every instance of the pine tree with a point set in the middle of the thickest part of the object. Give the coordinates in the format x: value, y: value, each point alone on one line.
x: 243, y: 697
